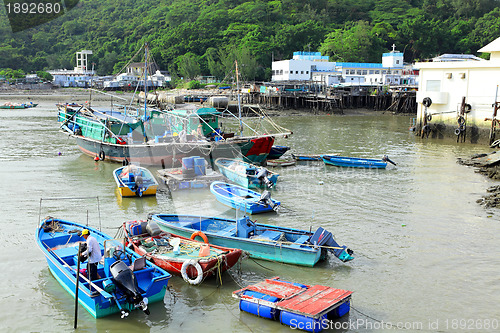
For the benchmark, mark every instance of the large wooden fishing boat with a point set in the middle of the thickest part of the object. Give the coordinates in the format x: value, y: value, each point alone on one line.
x: 164, y: 137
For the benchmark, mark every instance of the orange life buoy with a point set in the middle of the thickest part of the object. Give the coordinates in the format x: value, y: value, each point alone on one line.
x: 201, y: 234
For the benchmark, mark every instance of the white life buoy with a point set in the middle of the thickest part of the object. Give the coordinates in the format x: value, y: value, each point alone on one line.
x: 199, y: 272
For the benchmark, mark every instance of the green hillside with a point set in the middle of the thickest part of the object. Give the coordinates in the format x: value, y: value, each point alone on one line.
x: 191, y: 37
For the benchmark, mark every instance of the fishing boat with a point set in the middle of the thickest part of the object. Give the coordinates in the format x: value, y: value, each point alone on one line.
x: 243, y: 199
x: 10, y: 105
x: 126, y: 280
x: 246, y: 174
x: 181, y: 256
x: 277, y: 151
x: 133, y: 180
x: 306, y: 157
x: 176, y: 179
x: 355, y: 162
x: 261, y: 241
x: 309, y: 308
x: 164, y: 136
x: 281, y: 162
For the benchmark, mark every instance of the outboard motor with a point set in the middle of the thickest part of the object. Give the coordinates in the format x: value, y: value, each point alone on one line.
x: 262, y: 175
x: 385, y: 158
x: 139, y: 181
x: 265, y: 199
x: 125, y: 280
x: 83, y: 257
x: 325, y: 238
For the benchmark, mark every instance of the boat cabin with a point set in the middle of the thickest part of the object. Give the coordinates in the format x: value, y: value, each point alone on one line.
x: 189, y: 119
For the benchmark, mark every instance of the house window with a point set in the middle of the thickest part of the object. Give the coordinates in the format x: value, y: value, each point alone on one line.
x: 371, y: 72
x: 301, y: 72
x: 296, y: 72
x: 364, y: 72
x: 377, y: 72
x: 433, y: 85
x: 358, y: 72
x: 286, y: 72
x: 352, y: 71
x: 383, y: 72
x: 307, y: 72
x: 397, y: 61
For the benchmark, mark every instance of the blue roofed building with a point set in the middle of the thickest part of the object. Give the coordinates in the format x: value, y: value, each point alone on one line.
x: 313, y: 67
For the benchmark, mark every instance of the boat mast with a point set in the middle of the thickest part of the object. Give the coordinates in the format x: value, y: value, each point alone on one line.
x: 239, y: 102
x: 145, y: 77
x: 91, y: 84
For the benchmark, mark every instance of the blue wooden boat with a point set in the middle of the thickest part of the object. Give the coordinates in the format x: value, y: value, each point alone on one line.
x: 246, y: 174
x: 355, y: 162
x: 133, y: 180
x: 127, y: 281
x: 261, y: 241
x: 243, y: 199
x: 277, y: 151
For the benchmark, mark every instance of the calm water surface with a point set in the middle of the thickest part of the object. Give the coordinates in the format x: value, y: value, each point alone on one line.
x: 426, y: 252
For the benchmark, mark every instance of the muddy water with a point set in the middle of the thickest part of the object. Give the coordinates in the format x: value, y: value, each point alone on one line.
x: 426, y: 252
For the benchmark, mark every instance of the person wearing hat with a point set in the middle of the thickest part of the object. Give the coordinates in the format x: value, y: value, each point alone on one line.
x: 93, y: 252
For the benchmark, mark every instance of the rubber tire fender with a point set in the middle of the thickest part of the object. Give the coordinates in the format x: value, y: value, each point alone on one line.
x: 102, y: 155
x: 495, y: 143
x: 427, y: 102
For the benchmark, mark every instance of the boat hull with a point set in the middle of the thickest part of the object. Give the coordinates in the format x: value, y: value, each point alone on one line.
x: 126, y: 189
x: 208, y: 266
x: 240, y: 198
x: 61, y: 257
x: 277, y: 151
x: 351, y: 162
x: 258, y: 249
x: 241, y: 178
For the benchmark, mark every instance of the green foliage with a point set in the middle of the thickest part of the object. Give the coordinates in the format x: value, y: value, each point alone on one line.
x: 44, y: 75
x: 189, y: 66
x: 10, y: 73
x: 194, y: 85
x: 205, y: 37
x: 356, y: 44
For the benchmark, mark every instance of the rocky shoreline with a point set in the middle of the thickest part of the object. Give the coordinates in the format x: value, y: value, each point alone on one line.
x: 489, y: 166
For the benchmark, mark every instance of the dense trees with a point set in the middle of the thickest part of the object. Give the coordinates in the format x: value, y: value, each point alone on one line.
x: 193, y: 37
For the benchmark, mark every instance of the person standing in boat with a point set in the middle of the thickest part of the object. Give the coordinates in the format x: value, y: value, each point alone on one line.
x: 93, y: 252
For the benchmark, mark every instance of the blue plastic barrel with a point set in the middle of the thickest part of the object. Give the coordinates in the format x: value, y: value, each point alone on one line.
x: 199, y: 166
x: 302, y: 322
x: 187, y: 163
x: 260, y: 310
x: 340, y: 311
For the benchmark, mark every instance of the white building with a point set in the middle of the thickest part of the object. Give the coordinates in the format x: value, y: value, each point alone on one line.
x: 131, y: 80
x: 447, y: 83
x: 311, y: 66
x: 80, y: 76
